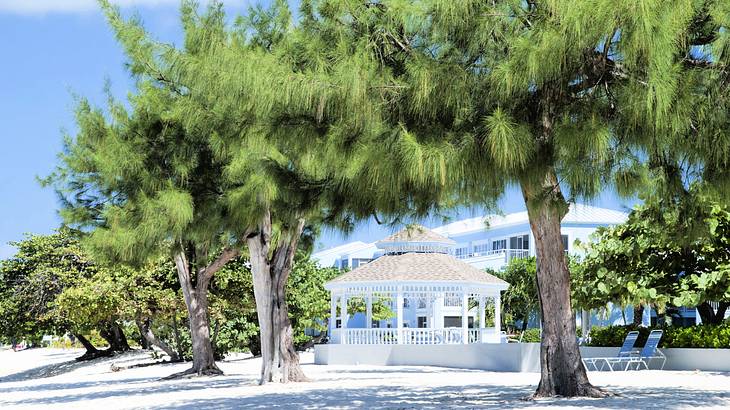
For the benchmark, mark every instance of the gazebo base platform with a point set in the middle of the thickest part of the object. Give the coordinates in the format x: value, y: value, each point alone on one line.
x: 505, y: 357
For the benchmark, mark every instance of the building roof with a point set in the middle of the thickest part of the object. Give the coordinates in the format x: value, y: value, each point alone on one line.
x: 577, y: 214
x: 417, y: 267
x: 417, y: 233
x: 344, y: 248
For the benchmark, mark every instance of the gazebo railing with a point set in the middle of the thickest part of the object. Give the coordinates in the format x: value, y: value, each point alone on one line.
x: 412, y: 336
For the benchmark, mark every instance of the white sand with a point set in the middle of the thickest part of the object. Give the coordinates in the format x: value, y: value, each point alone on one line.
x: 48, y: 378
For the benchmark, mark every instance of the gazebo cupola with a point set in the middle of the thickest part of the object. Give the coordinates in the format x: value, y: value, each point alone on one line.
x: 434, y: 297
x: 415, y: 238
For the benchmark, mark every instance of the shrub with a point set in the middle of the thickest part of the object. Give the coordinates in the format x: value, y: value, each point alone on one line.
x: 531, y: 336
x: 700, y: 336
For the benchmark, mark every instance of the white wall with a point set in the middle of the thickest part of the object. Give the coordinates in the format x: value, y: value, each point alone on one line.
x: 508, y: 357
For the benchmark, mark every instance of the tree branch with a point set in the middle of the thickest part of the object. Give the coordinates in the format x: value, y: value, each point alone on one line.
x: 228, y: 254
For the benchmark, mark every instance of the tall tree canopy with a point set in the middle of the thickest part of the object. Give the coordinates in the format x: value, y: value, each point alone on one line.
x: 389, y: 108
x: 562, y: 98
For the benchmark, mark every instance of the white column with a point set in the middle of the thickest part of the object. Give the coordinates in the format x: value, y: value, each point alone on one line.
x: 429, y: 310
x: 369, y: 310
x: 333, y: 317
x: 399, y: 314
x: 482, y: 318
x: 464, y: 318
x: 498, y: 316
x: 438, y: 317
x: 343, y: 318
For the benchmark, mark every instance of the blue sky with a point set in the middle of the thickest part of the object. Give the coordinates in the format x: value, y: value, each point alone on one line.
x: 53, y: 49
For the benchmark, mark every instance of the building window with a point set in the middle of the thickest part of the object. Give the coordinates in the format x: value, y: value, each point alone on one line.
x: 461, y: 252
x: 359, y: 262
x: 344, y: 264
x: 565, y: 242
x: 481, y: 248
x: 520, y: 242
x: 422, y: 322
x: 499, y: 244
x: 455, y: 321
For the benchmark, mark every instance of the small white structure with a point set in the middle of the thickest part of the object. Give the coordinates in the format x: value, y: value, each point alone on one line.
x: 436, y: 298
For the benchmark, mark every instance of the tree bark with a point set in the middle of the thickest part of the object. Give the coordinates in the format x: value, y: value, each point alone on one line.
x: 86, y: 343
x: 196, y: 301
x: 143, y: 342
x: 561, y: 368
x: 114, y: 335
x: 280, y: 361
x: 638, y: 315
x: 709, y: 316
x: 176, y: 335
x: 91, y: 351
x: 145, y: 329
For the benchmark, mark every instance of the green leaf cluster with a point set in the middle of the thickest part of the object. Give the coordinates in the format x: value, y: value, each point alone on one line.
x: 665, y: 254
x: 701, y: 336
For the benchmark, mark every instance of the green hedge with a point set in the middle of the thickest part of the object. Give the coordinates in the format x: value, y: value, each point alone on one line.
x: 700, y: 336
x: 530, y: 336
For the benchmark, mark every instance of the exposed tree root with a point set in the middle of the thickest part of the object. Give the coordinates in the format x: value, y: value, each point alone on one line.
x: 116, y: 368
x: 583, y: 390
x: 95, y: 355
x: 190, y: 373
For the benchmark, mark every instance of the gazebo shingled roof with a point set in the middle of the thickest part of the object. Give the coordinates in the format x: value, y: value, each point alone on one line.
x: 417, y: 267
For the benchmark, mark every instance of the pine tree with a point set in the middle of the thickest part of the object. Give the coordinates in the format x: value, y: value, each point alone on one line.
x: 150, y: 180
x: 560, y: 98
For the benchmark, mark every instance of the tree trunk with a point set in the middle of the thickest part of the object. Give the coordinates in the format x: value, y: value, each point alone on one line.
x: 91, y: 351
x: 196, y: 300
x: 562, y: 371
x: 176, y: 335
x: 280, y: 361
x: 708, y: 314
x: 114, y: 335
x: 143, y: 342
x: 149, y: 337
x: 638, y: 315
x: 258, y: 246
x: 86, y: 343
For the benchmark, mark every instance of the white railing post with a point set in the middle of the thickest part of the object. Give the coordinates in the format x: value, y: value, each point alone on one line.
x: 333, y: 317
x: 482, y: 319
x: 343, y: 319
x: 464, y: 318
x: 399, y: 314
x: 498, y: 316
x: 369, y: 311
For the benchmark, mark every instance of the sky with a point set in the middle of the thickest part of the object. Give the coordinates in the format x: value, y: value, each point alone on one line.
x: 54, y: 50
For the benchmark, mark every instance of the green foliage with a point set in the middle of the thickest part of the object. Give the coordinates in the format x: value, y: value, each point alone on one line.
x: 664, y: 254
x: 32, y: 280
x: 529, y: 336
x: 701, y: 336
x: 309, y: 306
x: 520, y: 300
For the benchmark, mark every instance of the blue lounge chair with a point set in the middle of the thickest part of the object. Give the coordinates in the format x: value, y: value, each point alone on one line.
x: 592, y: 363
x: 648, y: 353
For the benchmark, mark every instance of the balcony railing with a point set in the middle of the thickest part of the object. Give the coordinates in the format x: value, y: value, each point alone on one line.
x: 412, y: 336
x: 508, y: 254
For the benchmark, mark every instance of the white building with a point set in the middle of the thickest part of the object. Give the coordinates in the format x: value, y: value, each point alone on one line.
x: 488, y: 241
x: 492, y: 240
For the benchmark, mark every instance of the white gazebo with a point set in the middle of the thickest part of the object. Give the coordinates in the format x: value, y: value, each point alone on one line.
x: 433, y: 297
